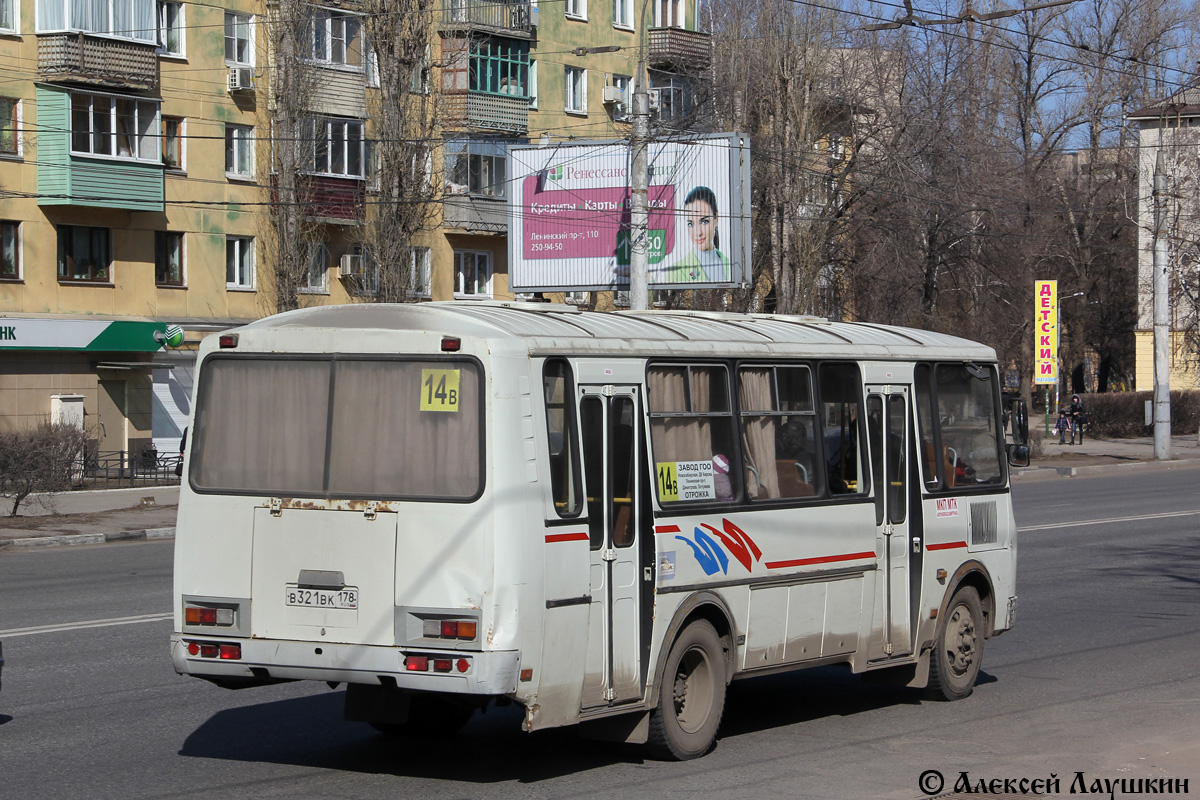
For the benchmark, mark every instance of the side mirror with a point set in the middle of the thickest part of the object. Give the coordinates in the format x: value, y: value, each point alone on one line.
x: 1018, y: 455
x: 1019, y: 423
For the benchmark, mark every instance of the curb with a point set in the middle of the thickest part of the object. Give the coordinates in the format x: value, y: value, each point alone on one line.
x: 1025, y: 474
x: 90, y: 538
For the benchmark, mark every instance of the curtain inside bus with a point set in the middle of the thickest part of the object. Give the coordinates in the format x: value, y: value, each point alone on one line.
x: 350, y: 428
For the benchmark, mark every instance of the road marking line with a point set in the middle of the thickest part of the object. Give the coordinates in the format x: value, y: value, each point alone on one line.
x: 89, y: 623
x: 1078, y: 523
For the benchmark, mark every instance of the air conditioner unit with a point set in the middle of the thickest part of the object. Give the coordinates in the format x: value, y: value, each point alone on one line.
x: 655, y: 99
x: 241, y: 79
x: 613, y: 94
x: 351, y: 266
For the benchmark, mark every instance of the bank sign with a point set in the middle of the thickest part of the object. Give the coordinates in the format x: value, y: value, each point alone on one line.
x: 570, y: 222
x: 129, y: 336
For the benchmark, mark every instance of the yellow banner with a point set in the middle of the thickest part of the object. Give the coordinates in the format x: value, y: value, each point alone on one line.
x: 1045, y: 352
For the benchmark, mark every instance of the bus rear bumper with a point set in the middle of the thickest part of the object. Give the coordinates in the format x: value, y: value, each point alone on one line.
x: 264, y: 661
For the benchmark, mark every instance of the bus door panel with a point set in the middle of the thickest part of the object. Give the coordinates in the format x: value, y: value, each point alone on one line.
x: 889, y: 429
x: 608, y: 418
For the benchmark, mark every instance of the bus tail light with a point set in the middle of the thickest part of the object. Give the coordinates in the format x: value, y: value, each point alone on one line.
x: 207, y: 615
x: 228, y: 651
x: 450, y: 344
x: 228, y: 340
x: 463, y: 629
x: 416, y: 663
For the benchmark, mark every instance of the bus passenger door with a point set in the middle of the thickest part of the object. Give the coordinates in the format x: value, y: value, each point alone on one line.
x: 889, y: 429
x: 608, y: 417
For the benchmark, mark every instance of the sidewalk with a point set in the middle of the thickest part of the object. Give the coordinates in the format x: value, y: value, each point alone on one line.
x: 116, y: 515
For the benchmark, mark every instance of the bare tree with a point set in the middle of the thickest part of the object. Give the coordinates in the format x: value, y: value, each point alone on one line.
x: 292, y: 232
x: 405, y: 117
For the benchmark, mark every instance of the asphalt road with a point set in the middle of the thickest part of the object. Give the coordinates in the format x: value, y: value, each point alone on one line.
x: 1100, y: 676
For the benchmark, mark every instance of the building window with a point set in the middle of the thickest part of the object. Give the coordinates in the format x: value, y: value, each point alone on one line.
x: 472, y: 274
x: 239, y: 44
x: 499, y: 66
x: 239, y: 151
x: 170, y: 28
x: 420, y: 273
x: 623, y: 13
x: 10, y: 113
x: 576, y: 99
x: 336, y: 38
x: 10, y: 250
x: 620, y: 109
x: 120, y: 127
x: 668, y: 13
x: 476, y: 166
x: 239, y: 262
x: 577, y: 9
x: 172, y: 142
x: 337, y: 146
x: 84, y: 254
x: 8, y: 16
x: 316, y: 268
x: 168, y: 258
x: 128, y: 19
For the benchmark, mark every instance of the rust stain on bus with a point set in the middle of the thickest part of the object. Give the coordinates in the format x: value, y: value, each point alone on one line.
x: 310, y: 504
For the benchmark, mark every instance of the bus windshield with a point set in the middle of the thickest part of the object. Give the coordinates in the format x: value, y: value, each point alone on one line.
x: 401, y: 428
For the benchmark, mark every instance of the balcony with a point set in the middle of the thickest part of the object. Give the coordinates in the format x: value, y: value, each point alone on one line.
x: 326, y: 198
x: 476, y: 214
x: 516, y: 18
x: 97, y: 60
x: 679, y: 50
x: 486, y: 112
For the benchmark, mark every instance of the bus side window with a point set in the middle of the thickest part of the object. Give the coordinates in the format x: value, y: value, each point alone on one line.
x: 561, y: 438
x: 966, y: 403
x: 841, y: 399
x: 691, y: 430
x: 923, y: 377
x: 779, y: 432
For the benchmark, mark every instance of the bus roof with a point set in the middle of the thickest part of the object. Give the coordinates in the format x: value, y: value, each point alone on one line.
x: 548, y: 329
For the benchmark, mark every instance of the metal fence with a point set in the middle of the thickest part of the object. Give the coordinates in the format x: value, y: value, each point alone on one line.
x: 111, y: 469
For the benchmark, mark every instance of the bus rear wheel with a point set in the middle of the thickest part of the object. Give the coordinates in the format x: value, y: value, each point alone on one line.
x: 691, y: 699
x: 958, y: 653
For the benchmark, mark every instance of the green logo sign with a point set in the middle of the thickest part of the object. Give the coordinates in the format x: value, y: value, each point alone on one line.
x: 555, y: 173
x: 658, y: 246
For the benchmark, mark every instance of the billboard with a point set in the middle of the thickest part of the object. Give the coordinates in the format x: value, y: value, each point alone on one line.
x: 1045, y: 356
x: 569, y: 214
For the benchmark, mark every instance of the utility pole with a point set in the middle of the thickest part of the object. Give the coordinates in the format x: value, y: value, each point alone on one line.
x: 1162, y: 364
x: 639, y: 201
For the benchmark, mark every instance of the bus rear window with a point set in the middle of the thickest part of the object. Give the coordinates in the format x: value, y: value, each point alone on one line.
x: 344, y: 428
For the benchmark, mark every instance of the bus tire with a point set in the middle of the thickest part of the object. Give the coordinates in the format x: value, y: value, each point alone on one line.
x: 958, y: 650
x: 691, y: 699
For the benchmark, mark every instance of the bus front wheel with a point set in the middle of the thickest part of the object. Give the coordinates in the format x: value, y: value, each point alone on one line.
x: 691, y: 699
x: 958, y: 653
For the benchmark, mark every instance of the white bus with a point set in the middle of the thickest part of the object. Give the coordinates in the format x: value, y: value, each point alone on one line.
x: 605, y: 518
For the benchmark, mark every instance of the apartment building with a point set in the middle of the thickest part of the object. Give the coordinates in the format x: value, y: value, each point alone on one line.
x: 138, y: 172
x: 1169, y: 128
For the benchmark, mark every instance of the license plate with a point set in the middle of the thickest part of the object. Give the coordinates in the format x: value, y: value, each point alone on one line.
x: 320, y: 598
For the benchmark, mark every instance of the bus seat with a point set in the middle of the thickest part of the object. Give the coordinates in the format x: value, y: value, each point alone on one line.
x: 790, y: 482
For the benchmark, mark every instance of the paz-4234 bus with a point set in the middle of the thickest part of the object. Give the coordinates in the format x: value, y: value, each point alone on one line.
x: 604, y: 518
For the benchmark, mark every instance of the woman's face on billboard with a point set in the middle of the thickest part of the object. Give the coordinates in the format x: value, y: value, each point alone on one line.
x: 701, y: 223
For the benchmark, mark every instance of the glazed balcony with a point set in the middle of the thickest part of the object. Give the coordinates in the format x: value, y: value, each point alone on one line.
x: 679, y: 50
x: 97, y: 60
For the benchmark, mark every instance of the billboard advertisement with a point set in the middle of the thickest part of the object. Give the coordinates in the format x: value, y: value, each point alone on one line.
x: 569, y: 214
x: 1045, y: 362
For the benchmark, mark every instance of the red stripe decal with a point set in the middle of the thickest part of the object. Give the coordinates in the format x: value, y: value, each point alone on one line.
x: 666, y: 529
x: 566, y: 537
x: 945, y: 546
x: 801, y: 562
